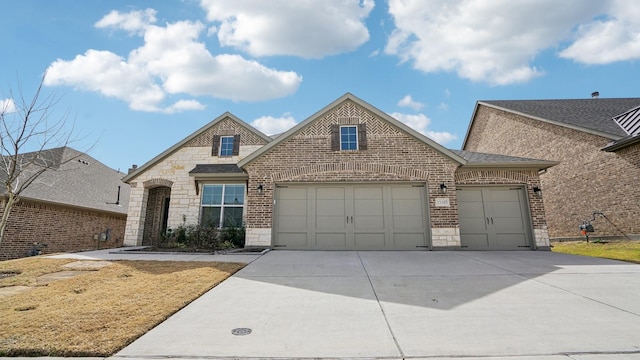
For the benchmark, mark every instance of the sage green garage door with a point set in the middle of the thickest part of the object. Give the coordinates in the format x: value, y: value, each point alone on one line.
x: 350, y: 217
x: 494, y: 218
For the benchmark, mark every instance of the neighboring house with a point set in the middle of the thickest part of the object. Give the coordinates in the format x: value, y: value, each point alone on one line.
x: 77, y: 204
x: 350, y: 177
x: 597, y: 143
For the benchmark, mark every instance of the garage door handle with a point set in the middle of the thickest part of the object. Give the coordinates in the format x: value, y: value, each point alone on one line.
x: 347, y: 219
x: 491, y: 221
x: 352, y: 219
x: 487, y: 221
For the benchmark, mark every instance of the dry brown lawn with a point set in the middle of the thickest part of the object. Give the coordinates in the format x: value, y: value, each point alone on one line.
x: 98, y: 312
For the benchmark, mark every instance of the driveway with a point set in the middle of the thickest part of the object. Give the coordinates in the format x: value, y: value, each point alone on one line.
x: 534, y: 305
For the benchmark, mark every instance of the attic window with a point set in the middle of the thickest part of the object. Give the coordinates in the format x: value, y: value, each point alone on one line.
x: 224, y: 146
x: 348, y: 137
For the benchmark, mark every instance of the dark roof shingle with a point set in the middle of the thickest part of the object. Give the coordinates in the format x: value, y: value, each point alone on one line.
x: 592, y: 114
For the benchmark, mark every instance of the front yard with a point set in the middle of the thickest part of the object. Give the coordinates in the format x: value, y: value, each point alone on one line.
x: 617, y: 250
x: 97, y: 312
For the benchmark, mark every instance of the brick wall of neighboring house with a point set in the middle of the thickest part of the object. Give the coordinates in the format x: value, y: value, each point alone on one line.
x: 173, y: 171
x: 586, y: 180
x: 63, y: 229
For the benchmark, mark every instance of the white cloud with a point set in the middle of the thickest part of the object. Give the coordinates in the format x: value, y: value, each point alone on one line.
x: 271, y: 125
x: 420, y: 123
x: 304, y: 28
x: 171, y: 61
x: 7, y: 106
x: 443, y: 106
x: 604, y: 41
x: 133, y: 21
x: 408, y: 101
x: 486, y: 41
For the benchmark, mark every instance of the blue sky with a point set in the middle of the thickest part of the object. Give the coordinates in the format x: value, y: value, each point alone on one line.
x: 138, y: 78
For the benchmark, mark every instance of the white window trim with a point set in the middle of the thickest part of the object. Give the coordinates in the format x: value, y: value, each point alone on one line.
x: 222, y: 205
x: 220, y: 146
x: 340, y: 137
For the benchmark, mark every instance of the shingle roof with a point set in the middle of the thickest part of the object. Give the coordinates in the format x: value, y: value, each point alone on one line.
x: 592, y: 114
x: 484, y: 159
x: 216, y: 169
x: 83, y: 182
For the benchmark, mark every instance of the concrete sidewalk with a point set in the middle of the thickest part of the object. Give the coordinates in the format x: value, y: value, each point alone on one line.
x: 128, y: 254
x: 489, y: 305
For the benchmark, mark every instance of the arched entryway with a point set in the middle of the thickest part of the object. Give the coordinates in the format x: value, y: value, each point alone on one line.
x: 157, y: 212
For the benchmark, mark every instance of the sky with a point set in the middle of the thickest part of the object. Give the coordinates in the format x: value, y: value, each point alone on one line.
x: 133, y: 78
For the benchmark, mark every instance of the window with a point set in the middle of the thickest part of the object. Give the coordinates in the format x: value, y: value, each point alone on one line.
x: 348, y: 138
x: 226, y: 146
x: 222, y: 205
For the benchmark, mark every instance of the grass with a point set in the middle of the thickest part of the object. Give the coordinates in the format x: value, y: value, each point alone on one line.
x: 617, y: 250
x: 98, y: 312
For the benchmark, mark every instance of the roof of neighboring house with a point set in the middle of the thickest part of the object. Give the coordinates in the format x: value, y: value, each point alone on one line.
x: 76, y: 179
x: 622, y: 143
x: 589, y: 115
x: 194, y: 135
x: 350, y: 97
x: 476, y: 159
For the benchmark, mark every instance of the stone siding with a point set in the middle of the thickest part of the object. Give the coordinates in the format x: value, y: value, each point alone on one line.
x: 62, y: 228
x: 173, y: 171
x: 586, y: 180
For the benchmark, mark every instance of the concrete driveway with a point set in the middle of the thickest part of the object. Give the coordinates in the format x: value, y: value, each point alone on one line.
x: 534, y: 305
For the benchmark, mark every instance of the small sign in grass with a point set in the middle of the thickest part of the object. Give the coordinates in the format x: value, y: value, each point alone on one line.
x: 618, y: 250
x: 98, y: 312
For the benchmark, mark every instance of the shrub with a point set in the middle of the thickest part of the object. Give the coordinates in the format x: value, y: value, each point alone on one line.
x: 196, y: 237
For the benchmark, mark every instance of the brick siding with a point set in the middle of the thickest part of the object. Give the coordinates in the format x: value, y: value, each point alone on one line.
x: 63, y: 229
x: 586, y: 180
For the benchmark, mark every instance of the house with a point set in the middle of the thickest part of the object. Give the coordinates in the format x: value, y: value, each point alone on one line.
x: 595, y: 140
x: 350, y: 177
x: 77, y: 204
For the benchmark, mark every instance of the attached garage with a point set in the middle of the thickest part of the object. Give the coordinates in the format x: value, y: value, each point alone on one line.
x: 351, y: 217
x: 494, y: 218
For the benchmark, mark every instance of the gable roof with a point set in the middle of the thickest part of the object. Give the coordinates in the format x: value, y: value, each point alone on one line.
x: 629, y: 121
x: 76, y: 179
x: 350, y: 97
x: 174, y: 148
x: 477, y: 159
x: 594, y: 116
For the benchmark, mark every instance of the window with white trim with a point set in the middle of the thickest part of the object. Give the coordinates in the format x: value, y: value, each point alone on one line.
x: 226, y: 146
x: 222, y: 205
x: 349, y: 137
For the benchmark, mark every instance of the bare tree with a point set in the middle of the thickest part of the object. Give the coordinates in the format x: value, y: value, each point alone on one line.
x: 27, y: 133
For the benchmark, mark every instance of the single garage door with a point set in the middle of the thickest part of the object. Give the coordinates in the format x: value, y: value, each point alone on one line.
x: 350, y: 217
x: 494, y: 218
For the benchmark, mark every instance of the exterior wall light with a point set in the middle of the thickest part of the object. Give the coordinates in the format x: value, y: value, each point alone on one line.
x: 260, y: 188
x: 537, y: 190
x: 443, y: 188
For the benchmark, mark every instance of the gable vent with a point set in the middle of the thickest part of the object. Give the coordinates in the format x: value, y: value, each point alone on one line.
x: 629, y: 121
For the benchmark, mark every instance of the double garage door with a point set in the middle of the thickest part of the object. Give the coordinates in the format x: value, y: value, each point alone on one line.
x: 351, y: 217
x: 494, y: 218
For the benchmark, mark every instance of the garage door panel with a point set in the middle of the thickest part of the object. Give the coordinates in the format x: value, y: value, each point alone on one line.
x: 408, y: 222
x: 508, y: 195
x: 467, y: 195
x: 511, y: 224
x: 331, y: 241
x: 476, y: 241
x: 330, y: 222
x: 511, y: 241
x: 370, y: 241
x: 505, y: 209
x: 293, y: 222
x: 368, y: 207
x: 330, y: 207
x: 369, y: 222
x: 471, y: 210
x: 408, y: 241
x: 470, y: 225
x: 293, y: 240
